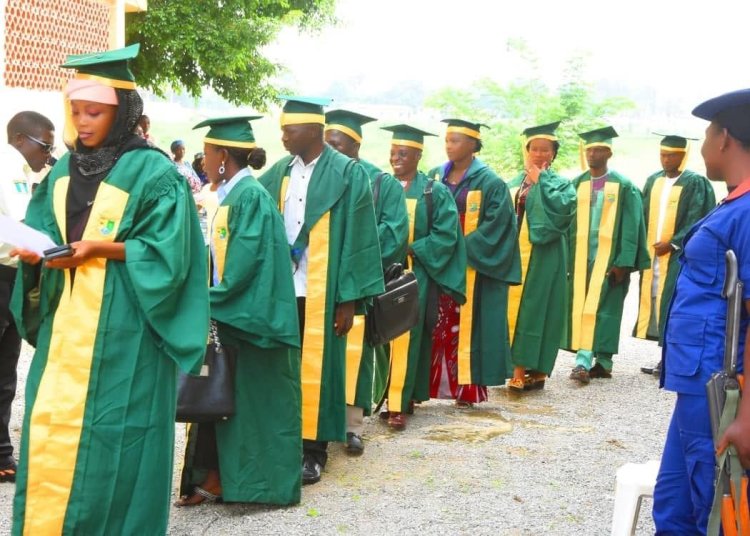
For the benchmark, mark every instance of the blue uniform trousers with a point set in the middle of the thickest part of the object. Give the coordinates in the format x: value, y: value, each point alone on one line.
x: 685, y: 484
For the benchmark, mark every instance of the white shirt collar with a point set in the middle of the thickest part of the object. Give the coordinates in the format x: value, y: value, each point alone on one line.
x: 225, y: 187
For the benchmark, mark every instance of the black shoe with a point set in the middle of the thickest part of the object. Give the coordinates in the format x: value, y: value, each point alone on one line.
x: 598, y: 371
x: 310, y: 471
x: 354, y: 444
x: 657, y: 370
x: 649, y: 370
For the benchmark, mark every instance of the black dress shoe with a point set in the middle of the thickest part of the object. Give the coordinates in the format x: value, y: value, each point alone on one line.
x: 354, y: 444
x: 598, y: 371
x: 310, y: 471
x: 657, y: 370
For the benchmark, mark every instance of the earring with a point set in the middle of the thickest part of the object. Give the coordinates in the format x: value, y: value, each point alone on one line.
x: 222, y: 169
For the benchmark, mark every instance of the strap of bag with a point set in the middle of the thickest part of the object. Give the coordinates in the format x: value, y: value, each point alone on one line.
x: 376, y: 188
x: 730, y: 470
x: 428, y: 202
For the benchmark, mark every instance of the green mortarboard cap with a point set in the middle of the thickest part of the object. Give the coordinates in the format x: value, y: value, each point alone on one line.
x: 302, y: 110
x: 464, y: 127
x: 673, y: 141
x: 230, y: 131
x: 350, y: 123
x: 408, y: 136
x: 600, y: 137
x: 546, y: 132
x: 109, y: 68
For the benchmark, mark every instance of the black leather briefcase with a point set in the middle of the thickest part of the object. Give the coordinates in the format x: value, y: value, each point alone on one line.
x: 396, y: 311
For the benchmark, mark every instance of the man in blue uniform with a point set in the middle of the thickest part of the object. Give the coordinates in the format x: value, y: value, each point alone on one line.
x: 694, y: 336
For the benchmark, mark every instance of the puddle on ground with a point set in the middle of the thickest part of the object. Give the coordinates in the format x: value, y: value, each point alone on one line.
x: 466, y: 433
x: 526, y: 409
x: 484, y: 414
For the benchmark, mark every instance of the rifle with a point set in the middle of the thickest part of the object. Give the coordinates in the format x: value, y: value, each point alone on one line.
x: 730, y: 506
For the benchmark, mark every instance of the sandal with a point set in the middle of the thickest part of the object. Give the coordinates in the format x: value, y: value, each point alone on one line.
x: 533, y: 382
x: 516, y: 385
x: 199, y: 496
x: 8, y: 474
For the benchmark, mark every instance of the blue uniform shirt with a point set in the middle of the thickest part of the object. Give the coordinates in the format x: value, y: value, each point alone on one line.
x: 695, y: 330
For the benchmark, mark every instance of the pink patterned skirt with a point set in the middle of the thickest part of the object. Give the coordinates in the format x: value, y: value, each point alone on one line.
x: 444, y: 368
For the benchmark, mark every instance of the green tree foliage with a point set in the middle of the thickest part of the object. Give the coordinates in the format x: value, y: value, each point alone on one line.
x: 216, y: 43
x: 509, y: 108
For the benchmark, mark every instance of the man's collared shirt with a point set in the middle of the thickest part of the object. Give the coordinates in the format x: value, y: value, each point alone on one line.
x: 294, y: 215
x: 15, y: 192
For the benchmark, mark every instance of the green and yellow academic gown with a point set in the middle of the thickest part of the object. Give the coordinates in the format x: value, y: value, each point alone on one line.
x: 344, y: 264
x: 98, y: 434
x: 690, y: 198
x: 256, y: 310
x: 595, y: 304
x: 534, y: 320
x: 393, y: 232
x: 439, y: 259
x: 494, y: 263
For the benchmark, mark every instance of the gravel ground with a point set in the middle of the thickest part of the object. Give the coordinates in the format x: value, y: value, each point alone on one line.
x: 544, y: 462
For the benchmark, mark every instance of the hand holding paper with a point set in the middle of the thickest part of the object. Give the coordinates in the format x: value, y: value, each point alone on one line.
x: 22, y: 236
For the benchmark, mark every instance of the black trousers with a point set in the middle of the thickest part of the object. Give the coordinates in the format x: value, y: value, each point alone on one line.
x: 10, y: 349
x: 206, y: 451
x: 314, y: 450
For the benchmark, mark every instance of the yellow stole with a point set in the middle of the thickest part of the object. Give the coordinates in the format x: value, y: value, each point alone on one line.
x: 56, y: 421
x: 515, y: 293
x: 400, y: 345
x: 466, y: 321
x: 220, y: 239
x: 585, y: 304
x: 315, y: 325
x: 667, y: 232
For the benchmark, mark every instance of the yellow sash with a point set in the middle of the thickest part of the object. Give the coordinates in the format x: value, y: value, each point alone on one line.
x: 471, y: 220
x: 315, y: 327
x: 220, y: 239
x: 354, y: 348
x: 586, y: 304
x: 515, y: 293
x: 56, y: 421
x: 667, y: 232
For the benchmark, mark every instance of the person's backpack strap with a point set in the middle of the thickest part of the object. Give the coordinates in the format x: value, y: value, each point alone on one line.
x: 376, y: 188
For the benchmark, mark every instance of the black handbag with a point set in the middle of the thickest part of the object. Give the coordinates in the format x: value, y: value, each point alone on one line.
x: 209, y: 396
x: 396, y: 311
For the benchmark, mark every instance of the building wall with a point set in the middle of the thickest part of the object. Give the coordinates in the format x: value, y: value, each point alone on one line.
x: 35, y: 38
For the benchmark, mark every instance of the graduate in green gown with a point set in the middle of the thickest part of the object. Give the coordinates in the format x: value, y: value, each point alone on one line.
x: 673, y: 200
x: 326, y: 201
x: 344, y: 133
x: 607, y: 241
x: 111, y: 323
x: 254, y: 455
x: 478, y: 355
x: 437, y: 256
x: 545, y: 205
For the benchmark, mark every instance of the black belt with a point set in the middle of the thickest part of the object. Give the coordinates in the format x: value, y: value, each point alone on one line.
x: 7, y: 273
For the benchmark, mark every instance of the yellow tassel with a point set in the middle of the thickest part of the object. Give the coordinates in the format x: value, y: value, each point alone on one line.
x: 582, y: 157
x: 524, y: 150
x: 70, y: 134
x: 683, y: 165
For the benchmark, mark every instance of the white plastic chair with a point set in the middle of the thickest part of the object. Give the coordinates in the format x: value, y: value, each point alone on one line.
x: 634, y: 482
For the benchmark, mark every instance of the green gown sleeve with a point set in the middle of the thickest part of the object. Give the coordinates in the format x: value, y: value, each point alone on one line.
x: 492, y: 249
x: 360, y: 274
x: 632, y: 249
x: 167, y: 264
x: 393, y: 220
x: 550, y: 207
x: 441, y: 250
x: 255, y: 298
x: 34, y: 294
x: 700, y: 201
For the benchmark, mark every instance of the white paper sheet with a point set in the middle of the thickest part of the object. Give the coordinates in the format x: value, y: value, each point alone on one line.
x: 23, y: 236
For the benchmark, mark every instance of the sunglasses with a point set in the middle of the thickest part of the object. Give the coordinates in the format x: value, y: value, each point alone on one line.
x: 46, y: 147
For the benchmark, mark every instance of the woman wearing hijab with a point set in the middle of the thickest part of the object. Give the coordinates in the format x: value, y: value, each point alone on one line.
x: 470, y: 344
x: 111, y: 322
x: 253, y: 456
x: 545, y: 205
